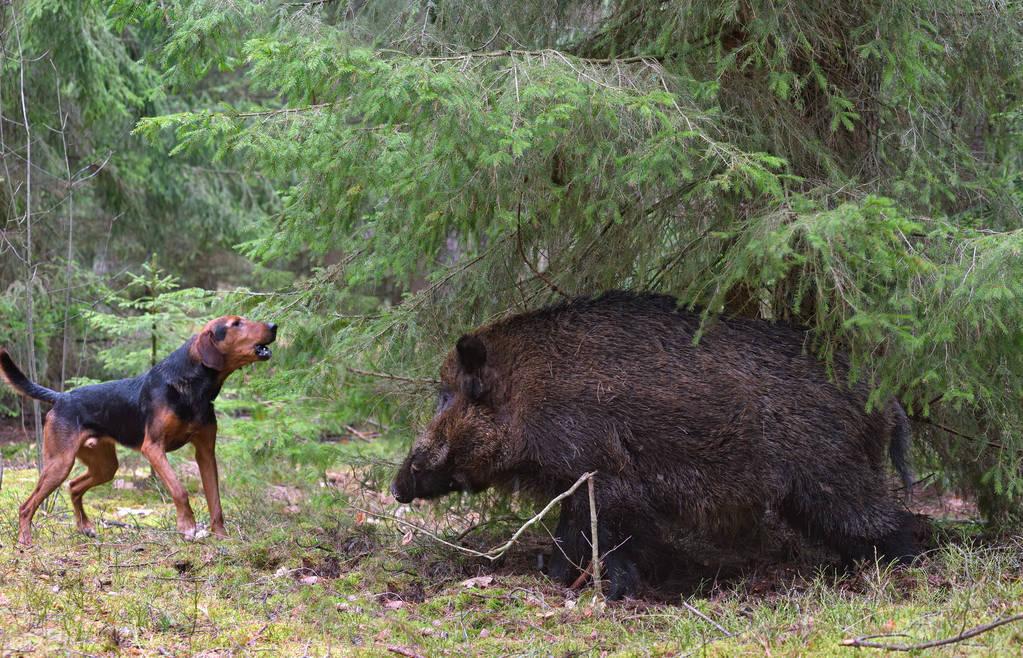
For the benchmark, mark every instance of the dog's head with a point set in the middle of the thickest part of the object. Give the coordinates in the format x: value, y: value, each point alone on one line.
x: 230, y: 342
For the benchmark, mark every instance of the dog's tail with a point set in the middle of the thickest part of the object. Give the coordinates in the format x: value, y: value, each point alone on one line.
x: 898, y: 448
x: 20, y: 383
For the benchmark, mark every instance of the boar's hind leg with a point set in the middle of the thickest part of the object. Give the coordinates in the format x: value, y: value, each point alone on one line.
x: 860, y: 527
x: 892, y: 543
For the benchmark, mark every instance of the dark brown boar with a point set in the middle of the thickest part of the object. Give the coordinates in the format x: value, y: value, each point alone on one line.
x: 682, y: 435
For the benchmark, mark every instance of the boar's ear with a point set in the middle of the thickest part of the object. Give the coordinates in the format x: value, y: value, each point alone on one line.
x: 472, y: 356
x: 472, y: 353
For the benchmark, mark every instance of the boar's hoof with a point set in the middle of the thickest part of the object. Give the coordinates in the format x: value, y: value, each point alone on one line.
x: 624, y: 576
x: 560, y: 569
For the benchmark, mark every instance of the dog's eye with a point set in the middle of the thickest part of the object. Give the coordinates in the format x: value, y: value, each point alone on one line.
x: 236, y: 323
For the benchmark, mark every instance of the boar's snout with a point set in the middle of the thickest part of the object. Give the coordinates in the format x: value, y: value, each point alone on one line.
x: 404, y: 484
x: 400, y: 495
x: 419, y: 478
x: 403, y: 487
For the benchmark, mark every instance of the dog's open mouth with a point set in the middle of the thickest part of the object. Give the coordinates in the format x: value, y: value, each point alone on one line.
x: 263, y: 352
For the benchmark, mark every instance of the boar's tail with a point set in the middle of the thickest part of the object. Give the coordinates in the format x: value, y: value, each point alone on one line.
x: 898, y: 449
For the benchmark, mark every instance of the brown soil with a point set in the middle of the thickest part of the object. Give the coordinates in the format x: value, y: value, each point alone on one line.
x: 12, y: 432
x: 943, y: 505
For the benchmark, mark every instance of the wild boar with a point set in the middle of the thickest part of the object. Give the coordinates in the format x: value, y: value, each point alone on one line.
x: 682, y: 436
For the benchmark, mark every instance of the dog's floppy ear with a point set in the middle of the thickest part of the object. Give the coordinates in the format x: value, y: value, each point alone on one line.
x: 205, y: 347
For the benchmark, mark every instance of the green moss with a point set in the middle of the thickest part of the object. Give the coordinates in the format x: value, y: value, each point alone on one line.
x: 144, y: 589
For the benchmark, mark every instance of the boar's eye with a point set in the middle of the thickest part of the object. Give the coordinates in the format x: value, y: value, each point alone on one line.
x: 444, y: 399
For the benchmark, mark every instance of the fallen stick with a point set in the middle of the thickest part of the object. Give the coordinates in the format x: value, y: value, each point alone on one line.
x: 402, y: 651
x: 359, y: 435
x: 495, y: 553
x: 864, y: 640
x: 707, y: 619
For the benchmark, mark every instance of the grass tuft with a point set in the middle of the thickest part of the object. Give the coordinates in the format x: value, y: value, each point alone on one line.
x: 303, y: 574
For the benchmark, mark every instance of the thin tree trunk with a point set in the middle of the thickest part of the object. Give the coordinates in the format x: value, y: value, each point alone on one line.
x: 65, y: 343
x: 30, y: 287
x: 151, y: 291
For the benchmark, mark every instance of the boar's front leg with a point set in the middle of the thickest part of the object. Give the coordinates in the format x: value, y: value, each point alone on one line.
x: 572, y: 549
x: 618, y: 546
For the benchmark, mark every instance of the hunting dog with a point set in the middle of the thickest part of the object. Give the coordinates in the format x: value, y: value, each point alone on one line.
x: 154, y: 413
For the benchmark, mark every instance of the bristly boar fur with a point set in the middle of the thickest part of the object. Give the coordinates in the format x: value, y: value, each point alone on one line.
x: 681, y: 435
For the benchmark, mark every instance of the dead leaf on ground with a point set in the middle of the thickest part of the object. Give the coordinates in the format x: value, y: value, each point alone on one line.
x: 481, y: 582
x: 132, y: 511
x: 285, y: 494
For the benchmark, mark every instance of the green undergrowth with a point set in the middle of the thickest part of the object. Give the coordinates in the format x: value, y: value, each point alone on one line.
x: 306, y: 573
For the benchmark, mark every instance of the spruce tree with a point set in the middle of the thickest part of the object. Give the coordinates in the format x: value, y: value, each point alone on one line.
x: 853, y: 168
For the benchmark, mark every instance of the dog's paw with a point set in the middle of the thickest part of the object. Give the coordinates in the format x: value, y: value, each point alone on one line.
x: 193, y: 533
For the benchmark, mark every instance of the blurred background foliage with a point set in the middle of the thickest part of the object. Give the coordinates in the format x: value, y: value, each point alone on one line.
x: 380, y: 175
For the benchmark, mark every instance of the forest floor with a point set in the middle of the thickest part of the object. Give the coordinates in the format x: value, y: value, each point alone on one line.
x: 306, y: 573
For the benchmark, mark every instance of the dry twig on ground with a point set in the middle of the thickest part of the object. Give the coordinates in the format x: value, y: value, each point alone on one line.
x: 403, y: 651
x: 864, y: 641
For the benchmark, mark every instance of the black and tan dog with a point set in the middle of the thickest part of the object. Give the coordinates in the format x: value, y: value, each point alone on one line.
x: 155, y: 413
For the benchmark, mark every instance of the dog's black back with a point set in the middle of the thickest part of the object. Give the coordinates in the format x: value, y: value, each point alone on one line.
x: 119, y: 409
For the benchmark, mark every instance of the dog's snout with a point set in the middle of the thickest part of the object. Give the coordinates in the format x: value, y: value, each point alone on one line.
x: 272, y: 326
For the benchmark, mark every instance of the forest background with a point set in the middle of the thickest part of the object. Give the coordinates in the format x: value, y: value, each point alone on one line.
x: 378, y: 176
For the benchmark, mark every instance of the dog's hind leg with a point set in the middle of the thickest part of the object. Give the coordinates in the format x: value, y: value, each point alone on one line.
x: 101, y: 460
x: 59, y: 448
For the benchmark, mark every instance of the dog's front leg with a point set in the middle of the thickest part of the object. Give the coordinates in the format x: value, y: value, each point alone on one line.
x: 205, y: 442
x: 153, y: 449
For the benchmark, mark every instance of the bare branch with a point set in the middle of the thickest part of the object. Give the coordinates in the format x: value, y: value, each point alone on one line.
x: 599, y: 593
x: 495, y: 553
x: 954, y: 432
x: 285, y: 110
x: 70, y: 229
x: 396, y: 378
x: 636, y: 59
x: 864, y: 640
x: 490, y: 40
